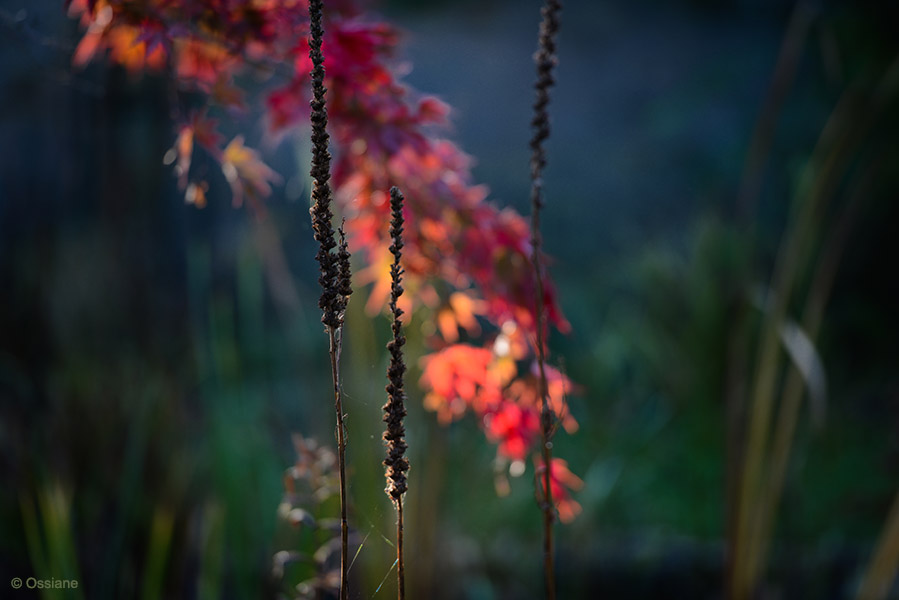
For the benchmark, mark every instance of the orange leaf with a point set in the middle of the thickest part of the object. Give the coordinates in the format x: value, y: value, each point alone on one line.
x: 245, y: 172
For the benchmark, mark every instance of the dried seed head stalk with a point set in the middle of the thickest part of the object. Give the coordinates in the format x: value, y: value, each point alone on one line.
x: 334, y: 277
x: 395, y: 410
x: 396, y: 462
x: 546, y: 60
x: 334, y: 266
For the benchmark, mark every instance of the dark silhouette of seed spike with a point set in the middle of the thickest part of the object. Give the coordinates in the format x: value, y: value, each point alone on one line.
x: 344, y: 274
x: 330, y: 300
x: 334, y: 266
x: 396, y: 462
x: 395, y: 410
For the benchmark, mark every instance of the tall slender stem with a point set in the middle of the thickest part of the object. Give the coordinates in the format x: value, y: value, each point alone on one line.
x: 545, y: 59
x: 341, y: 460
x: 400, y: 562
x: 334, y: 266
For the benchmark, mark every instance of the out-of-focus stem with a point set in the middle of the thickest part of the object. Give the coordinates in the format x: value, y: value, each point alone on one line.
x: 847, y: 126
x: 766, y: 125
x: 791, y: 399
x: 546, y: 61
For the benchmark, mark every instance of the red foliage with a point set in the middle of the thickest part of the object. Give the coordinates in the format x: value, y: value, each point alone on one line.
x: 486, y: 381
x: 561, y: 480
x: 515, y: 427
x: 475, y: 254
x: 460, y: 378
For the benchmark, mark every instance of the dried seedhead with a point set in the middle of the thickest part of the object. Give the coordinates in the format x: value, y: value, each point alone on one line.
x: 334, y: 266
x: 395, y: 410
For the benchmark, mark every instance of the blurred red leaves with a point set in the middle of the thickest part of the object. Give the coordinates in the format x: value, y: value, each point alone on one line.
x: 465, y: 259
x: 515, y: 427
x: 461, y: 377
x: 561, y: 482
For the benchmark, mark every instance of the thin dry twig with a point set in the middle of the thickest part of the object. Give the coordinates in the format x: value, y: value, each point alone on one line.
x: 546, y: 60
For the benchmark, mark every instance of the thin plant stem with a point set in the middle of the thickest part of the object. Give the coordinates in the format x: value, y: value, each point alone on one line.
x: 334, y: 338
x: 401, y: 566
x: 334, y: 265
x: 546, y: 60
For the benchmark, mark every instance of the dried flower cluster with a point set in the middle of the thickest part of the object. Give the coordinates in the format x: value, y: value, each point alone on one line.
x: 395, y: 409
x: 335, y: 275
x: 396, y: 462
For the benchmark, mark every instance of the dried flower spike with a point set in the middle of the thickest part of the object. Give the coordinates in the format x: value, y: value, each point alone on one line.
x: 334, y: 266
x: 396, y: 462
x: 394, y: 411
x: 331, y: 301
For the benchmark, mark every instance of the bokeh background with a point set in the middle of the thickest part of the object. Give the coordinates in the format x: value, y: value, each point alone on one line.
x: 152, y: 370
